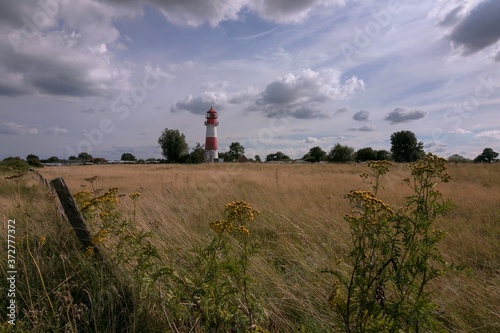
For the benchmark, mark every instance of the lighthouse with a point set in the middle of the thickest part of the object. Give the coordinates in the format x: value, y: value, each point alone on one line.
x: 211, y: 152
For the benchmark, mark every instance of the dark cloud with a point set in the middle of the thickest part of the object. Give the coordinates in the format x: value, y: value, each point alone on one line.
x: 280, y: 92
x: 63, y: 83
x: 12, y: 90
x: 341, y: 110
x: 197, y: 12
x: 361, y: 115
x: 452, y: 17
x: 479, y: 29
x: 401, y: 115
x: 13, y: 12
x: 288, y: 11
x: 57, y: 48
x: 89, y: 110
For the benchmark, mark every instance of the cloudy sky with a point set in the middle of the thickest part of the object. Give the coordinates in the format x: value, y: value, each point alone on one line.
x: 106, y: 77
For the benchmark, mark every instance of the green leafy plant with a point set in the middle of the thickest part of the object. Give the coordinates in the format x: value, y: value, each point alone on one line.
x: 211, y: 290
x: 394, y: 254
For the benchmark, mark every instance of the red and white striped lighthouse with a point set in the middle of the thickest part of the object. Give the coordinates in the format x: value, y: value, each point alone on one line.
x: 211, y: 152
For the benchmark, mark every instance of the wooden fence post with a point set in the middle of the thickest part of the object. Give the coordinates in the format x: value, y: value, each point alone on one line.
x: 73, y: 214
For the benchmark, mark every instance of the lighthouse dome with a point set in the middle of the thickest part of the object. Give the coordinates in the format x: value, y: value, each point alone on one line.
x: 211, y: 113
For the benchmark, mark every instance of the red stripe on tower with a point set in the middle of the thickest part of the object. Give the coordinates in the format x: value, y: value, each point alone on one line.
x: 211, y: 144
x: 211, y: 122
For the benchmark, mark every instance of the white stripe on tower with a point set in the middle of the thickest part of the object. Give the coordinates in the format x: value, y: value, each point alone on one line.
x: 211, y: 150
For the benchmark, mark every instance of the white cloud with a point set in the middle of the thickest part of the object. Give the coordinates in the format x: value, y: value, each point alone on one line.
x: 310, y: 86
x: 301, y: 95
x: 312, y: 139
x: 56, y: 131
x: 364, y: 128
x: 493, y: 134
x: 460, y: 131
x: 435, y: 146
x: 16, y: 129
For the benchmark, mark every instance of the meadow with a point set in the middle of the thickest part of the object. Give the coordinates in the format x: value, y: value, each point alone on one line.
x: 299, y: 232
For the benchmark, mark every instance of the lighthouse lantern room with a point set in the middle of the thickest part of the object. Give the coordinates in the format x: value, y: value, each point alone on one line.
x: 211, y: 150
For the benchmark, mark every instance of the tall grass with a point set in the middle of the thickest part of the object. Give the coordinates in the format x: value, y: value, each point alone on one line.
x: 300, y: 232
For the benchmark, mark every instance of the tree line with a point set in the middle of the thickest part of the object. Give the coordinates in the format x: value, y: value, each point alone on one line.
x: 405, y: 147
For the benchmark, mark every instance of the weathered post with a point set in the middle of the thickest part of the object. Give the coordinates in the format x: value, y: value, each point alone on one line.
x: 74, y: 216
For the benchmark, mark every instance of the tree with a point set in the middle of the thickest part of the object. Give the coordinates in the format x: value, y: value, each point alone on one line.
x: 315, y: 154
x: 128, y: 157
x: 99, y: 160
x: 278, y: 156
x: 84, y: 156
x: 455, y: 158
x: 257, y: 158
x: 236, y: 150
x: 224, y: 155
x: 405, y: 147
x: 173, y: 145
x: 33, y: 160
x: 487, y: 156
x: 341, y: 154
x: 383, y: 155
x: 365, y: 154
x: 198, y: 153
x: 52, y: 159
x: 72, y: 157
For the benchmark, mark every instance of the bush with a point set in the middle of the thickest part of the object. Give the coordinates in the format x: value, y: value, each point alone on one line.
x: 13, y: 165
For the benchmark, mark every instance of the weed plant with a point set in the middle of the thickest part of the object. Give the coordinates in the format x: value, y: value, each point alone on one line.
x: 394, y: 254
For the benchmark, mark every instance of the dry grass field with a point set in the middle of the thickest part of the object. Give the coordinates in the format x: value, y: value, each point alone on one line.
x: 301, y: 227
x: 301, y: 230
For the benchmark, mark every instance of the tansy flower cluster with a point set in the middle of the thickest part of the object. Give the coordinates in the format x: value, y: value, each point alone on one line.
x: 432, y: 165
x: 87, y: 202
x: 368, y: 202
x: 379, y: 167
x: 100, y: 237
x: 237, y: 213
x: 134, y: 196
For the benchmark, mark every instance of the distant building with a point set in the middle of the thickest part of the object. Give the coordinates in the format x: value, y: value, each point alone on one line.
x: 211, y: 149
